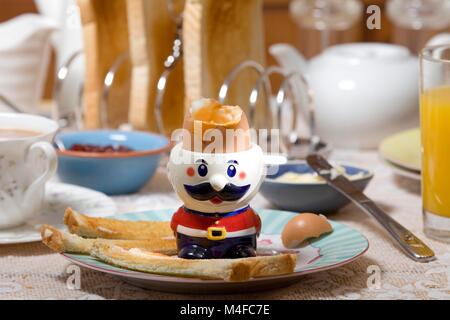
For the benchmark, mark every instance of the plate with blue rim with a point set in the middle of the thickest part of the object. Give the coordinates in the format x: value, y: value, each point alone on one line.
x: 330, y: 251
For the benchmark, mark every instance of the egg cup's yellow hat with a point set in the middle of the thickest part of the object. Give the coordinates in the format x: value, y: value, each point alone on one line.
x: 211, y: 127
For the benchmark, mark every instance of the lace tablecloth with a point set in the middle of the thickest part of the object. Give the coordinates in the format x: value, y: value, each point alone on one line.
x: 32, y: 271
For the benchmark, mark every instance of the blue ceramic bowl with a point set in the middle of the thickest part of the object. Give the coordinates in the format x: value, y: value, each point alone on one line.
x: 111, y: 173
x: 308, y: 197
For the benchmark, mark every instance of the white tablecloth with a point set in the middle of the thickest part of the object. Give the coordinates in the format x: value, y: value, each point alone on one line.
x: 33, y: 271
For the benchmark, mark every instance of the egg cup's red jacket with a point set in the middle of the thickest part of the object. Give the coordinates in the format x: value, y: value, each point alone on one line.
x: 219, y: 226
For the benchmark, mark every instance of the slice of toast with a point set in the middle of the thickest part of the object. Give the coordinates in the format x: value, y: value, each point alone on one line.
x: 224, y: 269
x: 61, y: 241
x: 90, y: 227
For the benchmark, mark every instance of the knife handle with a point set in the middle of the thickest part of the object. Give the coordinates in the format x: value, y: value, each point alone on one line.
x: 411, y: 245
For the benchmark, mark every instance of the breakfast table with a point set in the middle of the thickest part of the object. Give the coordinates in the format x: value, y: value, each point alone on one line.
x: 32, y: 271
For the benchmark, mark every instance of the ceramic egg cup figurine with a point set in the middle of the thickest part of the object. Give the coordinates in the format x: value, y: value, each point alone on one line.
x: 216, y: 171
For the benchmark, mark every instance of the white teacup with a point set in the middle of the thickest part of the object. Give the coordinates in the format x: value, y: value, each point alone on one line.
x: 26, y: 164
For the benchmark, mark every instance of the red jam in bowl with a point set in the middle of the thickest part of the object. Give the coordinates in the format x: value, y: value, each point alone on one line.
x: 100, y: 149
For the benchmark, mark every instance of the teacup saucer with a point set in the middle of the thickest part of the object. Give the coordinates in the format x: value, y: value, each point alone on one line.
x: 59, y: 196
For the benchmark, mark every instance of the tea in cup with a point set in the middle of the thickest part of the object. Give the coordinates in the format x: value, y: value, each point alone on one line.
x: 27, y: 162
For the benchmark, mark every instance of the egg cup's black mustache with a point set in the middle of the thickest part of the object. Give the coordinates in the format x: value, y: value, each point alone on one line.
x: 204, y: 191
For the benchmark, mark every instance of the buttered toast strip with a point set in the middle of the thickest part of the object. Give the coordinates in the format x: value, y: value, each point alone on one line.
x: 61, y: 241
x: 225, y: 269
x: 90, y: 227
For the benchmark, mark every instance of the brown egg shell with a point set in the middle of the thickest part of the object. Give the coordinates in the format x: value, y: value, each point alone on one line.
x: 195, y: 139
x: 303, y: 227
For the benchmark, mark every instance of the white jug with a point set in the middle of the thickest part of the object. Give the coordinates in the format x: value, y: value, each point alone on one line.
x: 24, y: 57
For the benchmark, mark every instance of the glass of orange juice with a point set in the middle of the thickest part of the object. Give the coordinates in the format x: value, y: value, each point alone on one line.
x: 435, y: 135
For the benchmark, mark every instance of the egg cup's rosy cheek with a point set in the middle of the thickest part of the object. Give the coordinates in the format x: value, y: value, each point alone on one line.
x: 190, y: 172
x: 242, y: 175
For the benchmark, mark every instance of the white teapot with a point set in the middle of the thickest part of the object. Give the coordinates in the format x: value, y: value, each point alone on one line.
x: 363, y: 91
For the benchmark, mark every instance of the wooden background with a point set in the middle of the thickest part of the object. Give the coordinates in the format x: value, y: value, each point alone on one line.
x: 279, y: 27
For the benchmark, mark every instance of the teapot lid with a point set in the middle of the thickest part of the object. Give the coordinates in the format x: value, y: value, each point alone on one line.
x: 360, y: 52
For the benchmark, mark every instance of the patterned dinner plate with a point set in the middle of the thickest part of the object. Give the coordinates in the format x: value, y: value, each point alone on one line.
x: 58, y: 197
x: 340, y: 247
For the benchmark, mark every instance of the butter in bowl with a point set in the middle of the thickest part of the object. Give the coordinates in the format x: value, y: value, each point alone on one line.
x: 294, y: 186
